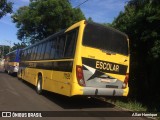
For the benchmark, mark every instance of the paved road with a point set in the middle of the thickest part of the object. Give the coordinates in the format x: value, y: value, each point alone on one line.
x: 16, y: 95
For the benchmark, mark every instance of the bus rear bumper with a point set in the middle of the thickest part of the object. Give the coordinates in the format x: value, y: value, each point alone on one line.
x: 105, y: 91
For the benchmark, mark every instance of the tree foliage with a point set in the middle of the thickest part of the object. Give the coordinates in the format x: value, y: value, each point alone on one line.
x: 141, y: 21
x: 4, y: 50
x: 90, y: 19
x: 19, y: 46
x: 5, y: 7
x: 43, y: 18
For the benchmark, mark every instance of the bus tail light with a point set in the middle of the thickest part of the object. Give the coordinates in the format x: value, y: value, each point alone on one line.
x: 125, y: 81
x: 79, y: 74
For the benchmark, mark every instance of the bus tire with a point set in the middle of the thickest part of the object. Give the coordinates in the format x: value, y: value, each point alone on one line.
x: 39, y: 85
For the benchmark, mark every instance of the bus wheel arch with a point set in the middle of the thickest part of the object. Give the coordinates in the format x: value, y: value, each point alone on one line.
x: 39, y: 83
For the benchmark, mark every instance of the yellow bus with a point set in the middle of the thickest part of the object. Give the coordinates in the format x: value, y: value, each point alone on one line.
x: 85, y: 59
x: 11, y: 63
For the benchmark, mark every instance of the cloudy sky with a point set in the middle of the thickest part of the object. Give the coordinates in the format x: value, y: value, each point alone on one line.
x: 102, y: 11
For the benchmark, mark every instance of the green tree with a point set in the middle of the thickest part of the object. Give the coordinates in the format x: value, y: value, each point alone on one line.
x: 19, y: 46
x: 43, y: 18
x: 90, y: 19
x: 5, y: 7
x: 140, y: 20
x: 4, y: 50
x: 107, y: 24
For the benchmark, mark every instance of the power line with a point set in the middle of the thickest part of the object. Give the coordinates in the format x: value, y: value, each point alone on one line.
x: 81, y: 4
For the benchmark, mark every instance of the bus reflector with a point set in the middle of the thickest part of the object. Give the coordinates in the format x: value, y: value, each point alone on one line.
x: 125, y: 81
x: 79, y: 74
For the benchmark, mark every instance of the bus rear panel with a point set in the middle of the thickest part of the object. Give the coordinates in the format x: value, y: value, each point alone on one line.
x: 11, y: 63
x: 103, y: 65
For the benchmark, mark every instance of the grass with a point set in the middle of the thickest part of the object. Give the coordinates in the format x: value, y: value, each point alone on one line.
x: 131, y: 105
x: 126, y: 104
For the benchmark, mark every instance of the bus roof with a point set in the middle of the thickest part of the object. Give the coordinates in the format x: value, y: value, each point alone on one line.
x: 45, y: 39
x: 75, y: 25
x: 13, y: 51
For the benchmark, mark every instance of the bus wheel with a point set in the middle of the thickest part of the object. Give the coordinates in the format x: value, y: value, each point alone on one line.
x: 39, y: 85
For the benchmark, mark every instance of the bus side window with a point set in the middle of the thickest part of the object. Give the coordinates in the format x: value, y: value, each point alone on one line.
x: 18, y: 55
x: 22, y: 55
x: 42, y: 51
x: 53, y: 48
x: 25, y: 54
x: 48, y: 49
x: 32, y: 53
x: 35, y: 51
x: 39, y: 51
x: 70, y: 44
x: 60, y: 47
x: 29, y: 53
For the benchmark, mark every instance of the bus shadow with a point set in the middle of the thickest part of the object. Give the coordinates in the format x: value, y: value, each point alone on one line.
x: 76, y: 102
x: 2, y: 72
x: 27, y: 84
x: 13, y: 74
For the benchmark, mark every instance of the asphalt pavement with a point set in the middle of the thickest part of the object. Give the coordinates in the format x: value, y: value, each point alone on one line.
x: 21, y: 97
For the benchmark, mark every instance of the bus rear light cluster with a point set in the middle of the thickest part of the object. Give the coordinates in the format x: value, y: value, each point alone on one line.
x: 125, y: 81
x: 79, y: 74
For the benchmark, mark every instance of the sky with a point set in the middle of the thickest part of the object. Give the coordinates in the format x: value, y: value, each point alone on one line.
x: 101, y: 11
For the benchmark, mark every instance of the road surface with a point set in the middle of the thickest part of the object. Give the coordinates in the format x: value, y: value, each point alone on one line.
x: 16, y: 95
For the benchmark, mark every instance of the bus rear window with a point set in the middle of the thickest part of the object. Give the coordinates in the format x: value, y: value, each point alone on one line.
x: 105, y: 38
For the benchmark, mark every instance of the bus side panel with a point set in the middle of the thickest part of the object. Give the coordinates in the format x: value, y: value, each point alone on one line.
x: 60, y: 82
x: 32, y: 75
x: 25, y: 75
x: 53, y: 81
